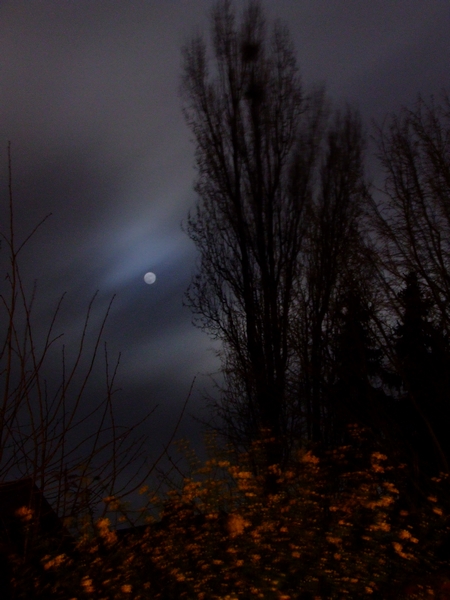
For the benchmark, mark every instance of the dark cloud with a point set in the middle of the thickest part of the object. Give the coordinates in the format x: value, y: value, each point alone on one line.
x: 89, y: 99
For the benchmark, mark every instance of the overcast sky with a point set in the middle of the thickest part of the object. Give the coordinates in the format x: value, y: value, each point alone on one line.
x: 89, y: 100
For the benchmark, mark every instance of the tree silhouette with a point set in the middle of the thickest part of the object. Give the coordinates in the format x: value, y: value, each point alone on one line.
x: 410, y: 220
x: 333, y: 256
x: 279, y: 184
x: 412, y: 217
x: 356, y: 391
x: 422, y: 356
x: 249, y: 221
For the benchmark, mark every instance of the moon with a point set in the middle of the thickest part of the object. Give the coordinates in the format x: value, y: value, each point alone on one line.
x: 149, y: 278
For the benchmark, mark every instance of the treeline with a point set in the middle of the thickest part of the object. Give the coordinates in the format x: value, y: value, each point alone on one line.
x: 330, y: 296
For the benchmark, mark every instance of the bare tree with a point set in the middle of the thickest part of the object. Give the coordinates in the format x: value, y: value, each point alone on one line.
x: 245, y: 114
x: 411, y: 219
x: 334, y: 261
x: 74, y: 451
x: 279, y: 182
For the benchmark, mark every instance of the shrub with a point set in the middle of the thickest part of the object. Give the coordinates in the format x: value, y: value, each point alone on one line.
x: 338, y: 527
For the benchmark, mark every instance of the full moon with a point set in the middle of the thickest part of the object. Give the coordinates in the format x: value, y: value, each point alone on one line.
x: 149, y: 278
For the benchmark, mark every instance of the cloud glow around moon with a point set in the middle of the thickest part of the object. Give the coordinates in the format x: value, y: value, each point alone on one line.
x: 149, y: 278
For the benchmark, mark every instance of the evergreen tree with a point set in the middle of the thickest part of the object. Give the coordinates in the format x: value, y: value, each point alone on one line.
x: 356, y: 392
x: 422, y: 365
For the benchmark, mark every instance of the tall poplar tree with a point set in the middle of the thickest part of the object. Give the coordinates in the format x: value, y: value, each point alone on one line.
x: 245, y: 110
x: 277, y: 183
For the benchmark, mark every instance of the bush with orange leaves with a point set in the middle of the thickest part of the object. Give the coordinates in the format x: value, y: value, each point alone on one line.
x: 339, y: 526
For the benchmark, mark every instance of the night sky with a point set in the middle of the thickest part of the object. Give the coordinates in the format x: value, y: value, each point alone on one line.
x: 89, y: 100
